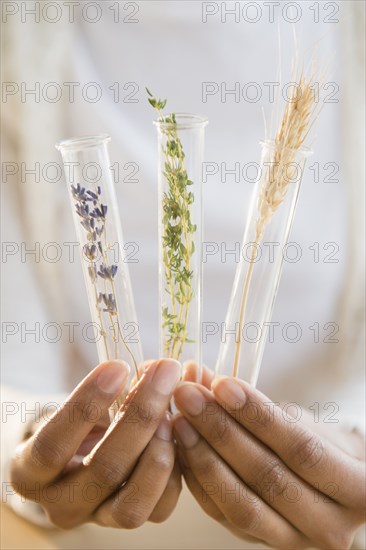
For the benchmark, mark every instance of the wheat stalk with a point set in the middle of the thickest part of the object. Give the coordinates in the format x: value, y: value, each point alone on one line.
x: 299, y: 116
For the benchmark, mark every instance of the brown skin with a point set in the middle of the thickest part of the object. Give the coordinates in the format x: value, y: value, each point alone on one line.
x: 237, y: 468
x: 263, y: 476
x: 130, y: 475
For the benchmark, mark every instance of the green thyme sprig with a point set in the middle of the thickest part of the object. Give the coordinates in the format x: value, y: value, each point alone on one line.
x: 177, y: 237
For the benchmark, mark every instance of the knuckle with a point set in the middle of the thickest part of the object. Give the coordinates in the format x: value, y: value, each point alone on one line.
x: 308, y: 451
x: 17, y: 469
x: 79, y: 410
x: 262, y: 417
x: 204, y: 467
x: 161, y: 461
x: 142, y: 413
x: 220, y: 433
x: 22, y: 483
x: 248, y: 518
x: 46, y: 452
x: 273, y: 477
x: 145, y: 415
x: 130, y: 517
x: 107, y: 473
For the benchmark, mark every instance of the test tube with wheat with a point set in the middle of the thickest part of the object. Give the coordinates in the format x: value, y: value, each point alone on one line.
x: 270, y: 218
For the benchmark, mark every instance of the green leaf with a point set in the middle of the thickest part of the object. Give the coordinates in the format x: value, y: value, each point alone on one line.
x: 177, y: 234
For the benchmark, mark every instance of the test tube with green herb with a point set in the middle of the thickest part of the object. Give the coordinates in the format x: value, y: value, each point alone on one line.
x: 180, y: 157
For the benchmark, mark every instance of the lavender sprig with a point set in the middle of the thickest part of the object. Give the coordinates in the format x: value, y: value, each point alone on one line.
x: 106, y: 272
x: 92, y: 213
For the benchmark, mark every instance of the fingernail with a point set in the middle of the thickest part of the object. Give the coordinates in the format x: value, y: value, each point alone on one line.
x: 187, y: 435
x: 164, y: 430
x: 229, y: 391
x: 113, y: 376
x: 190, y: 399
x: 166, y: 376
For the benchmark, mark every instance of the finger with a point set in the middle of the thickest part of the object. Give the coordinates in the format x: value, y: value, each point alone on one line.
x: 169, y: 498
x: 200, y: 495
x: 206, y: 502
x: 146, y: 364
x: 43, y: 456
x: 262, y: 469
x: 312, y: 457
x: 191, y: 374
x: 350, y: 442
x: 111, y: 462
x: 142, y: 367
x: 86, y: 446
x: 240, y: 506
x: 132, y: 505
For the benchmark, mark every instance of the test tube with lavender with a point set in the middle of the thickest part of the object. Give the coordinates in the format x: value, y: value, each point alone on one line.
x: 97, y: 222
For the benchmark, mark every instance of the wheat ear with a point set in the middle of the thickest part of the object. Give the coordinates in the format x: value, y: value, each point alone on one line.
x: 299, y: 115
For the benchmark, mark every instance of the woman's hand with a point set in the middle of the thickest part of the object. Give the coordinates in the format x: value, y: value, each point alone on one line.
x: 264, y: 474
x: 129, y: 475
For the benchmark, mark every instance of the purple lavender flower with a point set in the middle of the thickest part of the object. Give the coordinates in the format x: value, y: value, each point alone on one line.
x: 107, y: 272
x: 91, y: 251
x: 93, y: 214
x: 99, y: 212
x: 109, y: 301
x: 78, y: 193
x: 82, y: 210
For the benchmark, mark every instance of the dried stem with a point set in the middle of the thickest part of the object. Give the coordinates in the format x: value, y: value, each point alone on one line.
x: 241, y: 316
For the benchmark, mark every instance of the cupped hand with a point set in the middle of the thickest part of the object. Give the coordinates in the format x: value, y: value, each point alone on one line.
x: 120, y: 476
x: 264, y: 474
